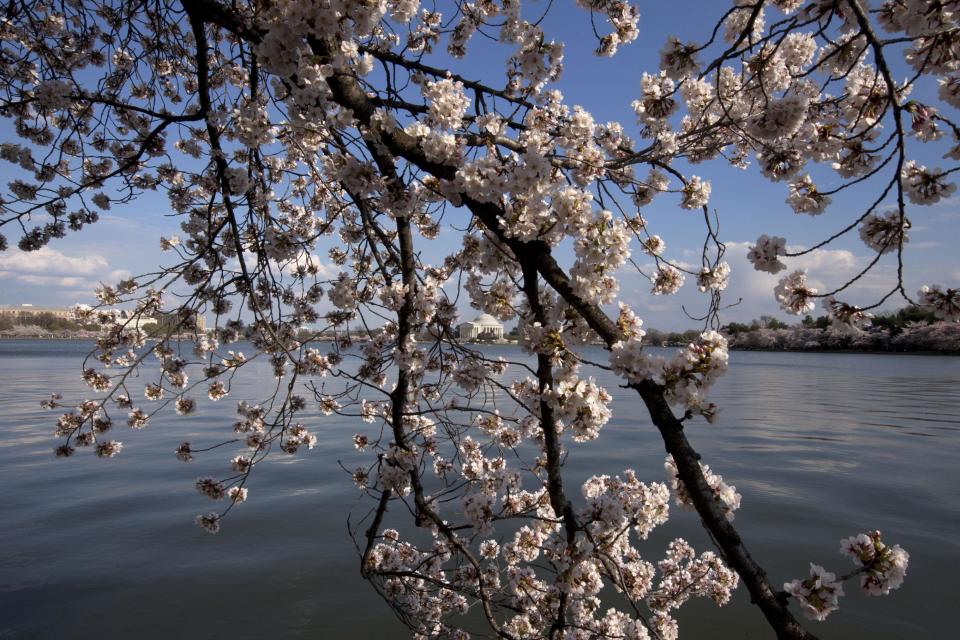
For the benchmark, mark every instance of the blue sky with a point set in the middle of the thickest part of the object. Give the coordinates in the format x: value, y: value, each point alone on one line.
x: 126, y: 240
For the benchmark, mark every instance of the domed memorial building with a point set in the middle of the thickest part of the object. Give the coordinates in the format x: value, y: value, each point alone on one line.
x: 483, y: 327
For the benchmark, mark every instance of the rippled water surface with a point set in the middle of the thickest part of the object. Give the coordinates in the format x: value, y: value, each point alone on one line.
x: 820, y: 445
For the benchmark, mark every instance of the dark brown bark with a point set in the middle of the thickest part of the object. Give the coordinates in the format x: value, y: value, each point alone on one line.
x: 347, y: 93
x: 763, y: 594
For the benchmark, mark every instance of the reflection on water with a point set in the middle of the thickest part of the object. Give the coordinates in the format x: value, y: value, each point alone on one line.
x: 821, y: 446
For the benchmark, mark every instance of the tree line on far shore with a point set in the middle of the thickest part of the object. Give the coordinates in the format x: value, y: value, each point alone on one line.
x: 907, y: 329
x: 910, y: 329
x: 42, y: 324
x: 48, y: 325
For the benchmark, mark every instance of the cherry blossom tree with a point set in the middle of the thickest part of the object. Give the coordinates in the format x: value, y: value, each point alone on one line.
x: 275, y: 127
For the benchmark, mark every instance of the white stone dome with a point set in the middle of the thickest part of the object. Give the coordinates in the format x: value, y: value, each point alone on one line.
x: 485, y: 319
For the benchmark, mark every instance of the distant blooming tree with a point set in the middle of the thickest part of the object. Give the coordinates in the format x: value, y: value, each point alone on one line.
x: 276, y: 127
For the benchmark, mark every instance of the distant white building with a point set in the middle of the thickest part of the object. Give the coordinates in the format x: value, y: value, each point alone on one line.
x: 28, y: 310
x: 134, y: 321
x: 193, y: 320
x: 483, y: 326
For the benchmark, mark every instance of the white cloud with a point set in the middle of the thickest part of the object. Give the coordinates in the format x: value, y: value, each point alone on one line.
x: 826, y: 269
x: 47, y: 261
x: 324, y: 270
x: 834, y: 260
x: 52, y: 281
x: 118, y: 274
x: 49, y: 276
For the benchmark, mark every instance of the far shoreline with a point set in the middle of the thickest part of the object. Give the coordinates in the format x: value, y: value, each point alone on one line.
x: 878, y: 352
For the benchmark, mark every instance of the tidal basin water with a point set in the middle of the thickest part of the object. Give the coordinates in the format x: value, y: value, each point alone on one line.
x: 821, y: 446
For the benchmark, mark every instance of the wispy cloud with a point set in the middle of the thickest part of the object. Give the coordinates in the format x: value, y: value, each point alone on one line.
x: 49, y: 261
x: 51, y: 276
x: 826, y: 270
